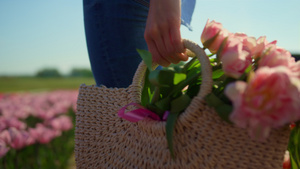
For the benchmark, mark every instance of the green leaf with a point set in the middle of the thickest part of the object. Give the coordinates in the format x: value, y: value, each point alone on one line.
x: 213, y: 60
x: 213, y: 101
x: 170, y: 124
x: 156, y: 95
x: 155, y: 109
x: 294, y: 146
x: 228, y: 80
x: 210, y: 55
x: 193, y: 71
x: 294, y: 164
x: 179, y: 104
x: 164, y: 91
x: 147, y: 57
x: 146, y: 92
x: 178, y: 88
x: 193, y: 89
x: 163, y: 104
x: 245, y: 74
x: 217, y: 73
x: 248, y: 69
x: 178, y: 77
x: 223, y: 110
x: 162, y: 78
x: 190, y: 64
x: 151, y: 90
x: 195, y: 65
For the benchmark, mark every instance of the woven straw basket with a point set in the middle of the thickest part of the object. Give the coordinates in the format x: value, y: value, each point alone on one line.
x: 201, y: 139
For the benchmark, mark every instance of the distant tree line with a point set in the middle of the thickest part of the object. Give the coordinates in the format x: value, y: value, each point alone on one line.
x: 53, y: 72
x: 81, y: 72
x: 296, y: 56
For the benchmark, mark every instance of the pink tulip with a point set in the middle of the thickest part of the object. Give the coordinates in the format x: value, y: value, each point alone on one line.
x: 235, y: 60
x: 261, y: 45
x: 213, y: 32
x: 62, y: 123
x: 274, y: 56
x: 17, y: 141
x: 46, y: 114
x: 3, y: 148
x: 61, y: 107
x: 5, y: 136
x: 19, y: 138
x: 74, y: 107
x: 30, y: 140
x: 210, y: 30
x: 2, y: 123
x: 43, y: 134
x: 14, y: 122
x: 295, y: 68
x: 249, y: 43
x: 270, y: 99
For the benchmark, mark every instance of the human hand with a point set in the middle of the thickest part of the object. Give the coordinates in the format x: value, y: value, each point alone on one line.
x: 162, y: 32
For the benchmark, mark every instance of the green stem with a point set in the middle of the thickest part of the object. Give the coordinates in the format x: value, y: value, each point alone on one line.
x: 36, y: 150
x: 4, y: 162
x: 156, y: 95
x: 16, y: 161
x: 181, y: 85
x: 210, y: 55
x: 186, y: 66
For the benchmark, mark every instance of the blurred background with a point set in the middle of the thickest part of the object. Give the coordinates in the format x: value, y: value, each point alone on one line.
x: 35, y: 36
x: 43, y: 50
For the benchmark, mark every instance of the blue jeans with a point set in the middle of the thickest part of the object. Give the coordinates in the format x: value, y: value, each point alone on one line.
x: 114, y: 30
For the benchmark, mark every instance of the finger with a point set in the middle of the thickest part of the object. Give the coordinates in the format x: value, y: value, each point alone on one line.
x: 175, y: 59
x: 182, y: 56
x: 161, y: 48
x: 176, y: 41
x: 171, y: 53
x: 156, y: 56
x: 156, y: 45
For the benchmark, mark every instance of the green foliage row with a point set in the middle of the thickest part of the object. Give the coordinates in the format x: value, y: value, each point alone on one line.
x: 35, y: 84
x: 76, y: 72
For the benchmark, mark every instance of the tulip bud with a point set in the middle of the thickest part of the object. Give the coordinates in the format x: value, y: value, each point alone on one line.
x: 213, y: 35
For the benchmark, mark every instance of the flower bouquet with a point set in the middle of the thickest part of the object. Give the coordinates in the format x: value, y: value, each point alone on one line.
x: 256, y: 87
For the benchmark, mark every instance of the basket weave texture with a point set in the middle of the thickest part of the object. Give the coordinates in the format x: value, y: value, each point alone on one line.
x: 201, y: 139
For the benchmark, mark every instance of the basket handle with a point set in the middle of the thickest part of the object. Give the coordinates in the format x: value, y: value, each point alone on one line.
x: 206, y: 71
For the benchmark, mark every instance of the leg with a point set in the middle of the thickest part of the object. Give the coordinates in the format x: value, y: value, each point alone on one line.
x: 114, y: 29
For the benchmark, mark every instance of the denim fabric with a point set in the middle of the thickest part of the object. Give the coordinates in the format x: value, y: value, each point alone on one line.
x: 187, y: 10
x: 114, y: 29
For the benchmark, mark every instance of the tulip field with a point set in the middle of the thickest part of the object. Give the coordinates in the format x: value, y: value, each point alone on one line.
x: 37, y: 128
x: 37, y: 120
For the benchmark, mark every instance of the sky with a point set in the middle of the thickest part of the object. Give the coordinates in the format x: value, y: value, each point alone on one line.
x: 50, y: 34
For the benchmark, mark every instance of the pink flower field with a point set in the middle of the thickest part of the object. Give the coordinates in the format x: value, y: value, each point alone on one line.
x: 34, y: 118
